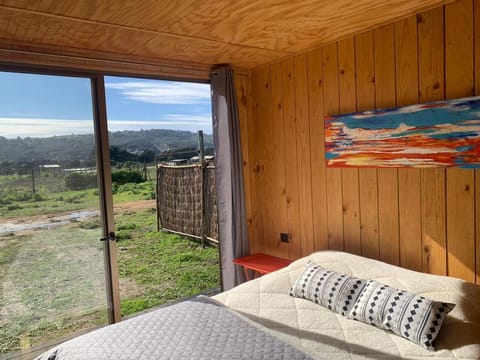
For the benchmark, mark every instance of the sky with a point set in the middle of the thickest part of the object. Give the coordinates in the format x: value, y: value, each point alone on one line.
x: 45, y: 105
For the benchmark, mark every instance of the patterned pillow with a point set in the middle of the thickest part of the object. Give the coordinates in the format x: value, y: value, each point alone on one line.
x: 412, y: 316
x: 335, y: 291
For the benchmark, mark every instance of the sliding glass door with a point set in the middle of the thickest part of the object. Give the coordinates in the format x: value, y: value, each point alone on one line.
x: 52, y: 268
x: 58, y: 256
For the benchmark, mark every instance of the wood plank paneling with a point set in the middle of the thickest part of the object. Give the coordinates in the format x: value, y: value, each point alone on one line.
x: 350, y: 183
x: 409, y: 205
x: 477, y: 225
x: 476, y: 32
x: 317, y: 149
x: 46, y: 56
x: 460, y: 224
x: 260, y: 80
x: 242, y: 89
x: 303, y: 153
x: 242, y: 33
x: 427, y: 220
x: 431, y: 88
x: 431, y: 56
x: 64, y: 35
x: 333, y: 176
x: 459, y: 49
x: 388, y: 221
x: 278, y: 186
x: 477, y: 222
x: 266, y: 158
x: 368, y: 179
x: 291, y: 160
x: 459, y: 82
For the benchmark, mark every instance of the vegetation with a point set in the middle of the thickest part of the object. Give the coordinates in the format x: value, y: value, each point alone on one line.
x: 80, y: 181
x: 65, y: 265
x: 74, y: 151
x: 76, y: 191
x: 163, y: 267
x: 125, y: 177
x: 52, y: 282
x: 49, y: 278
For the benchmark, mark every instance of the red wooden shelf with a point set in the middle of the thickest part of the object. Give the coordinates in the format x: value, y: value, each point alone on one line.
x: 261, y: 264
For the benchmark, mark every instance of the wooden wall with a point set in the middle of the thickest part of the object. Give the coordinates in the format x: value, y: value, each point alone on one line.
x: 422, y: 219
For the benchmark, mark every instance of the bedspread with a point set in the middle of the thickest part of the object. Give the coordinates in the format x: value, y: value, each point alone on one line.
x: 194, y: 329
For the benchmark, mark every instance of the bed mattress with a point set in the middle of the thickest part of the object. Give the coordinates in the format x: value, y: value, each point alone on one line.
x: 324, y: 334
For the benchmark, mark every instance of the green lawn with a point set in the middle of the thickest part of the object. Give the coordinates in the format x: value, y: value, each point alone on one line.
x: 164, y: 267
x: 23, y: 204
x: 57, y: 274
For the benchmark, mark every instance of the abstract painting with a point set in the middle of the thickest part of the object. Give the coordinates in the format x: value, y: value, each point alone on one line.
x: 438, y: 134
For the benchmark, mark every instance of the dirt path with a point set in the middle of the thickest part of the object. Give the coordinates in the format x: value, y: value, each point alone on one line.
x: 47, y: 220
x: 134, y: 205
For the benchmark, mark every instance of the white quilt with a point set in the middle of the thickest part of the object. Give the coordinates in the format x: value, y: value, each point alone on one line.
x: 321, y: 333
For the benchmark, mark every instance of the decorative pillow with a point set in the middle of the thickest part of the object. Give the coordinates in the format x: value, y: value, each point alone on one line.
x: 335, y: 291
x: 411, y: 316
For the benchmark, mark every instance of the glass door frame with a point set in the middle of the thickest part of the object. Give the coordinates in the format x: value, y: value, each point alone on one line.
x: 102, y: 149
x: 103, y: 175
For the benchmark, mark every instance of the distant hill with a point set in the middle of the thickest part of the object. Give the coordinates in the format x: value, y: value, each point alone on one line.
x: 66, y: 148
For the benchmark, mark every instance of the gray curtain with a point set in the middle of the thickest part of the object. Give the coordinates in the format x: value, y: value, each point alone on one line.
x: 228, y: 177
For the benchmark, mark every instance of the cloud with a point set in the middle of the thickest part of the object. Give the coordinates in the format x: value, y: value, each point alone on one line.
x: 162, y: 92
x: 28, y: 127
x: 168, y: 121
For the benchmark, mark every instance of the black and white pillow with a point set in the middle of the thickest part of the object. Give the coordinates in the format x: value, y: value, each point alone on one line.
x: 409, y: 315
x: 333, y: 290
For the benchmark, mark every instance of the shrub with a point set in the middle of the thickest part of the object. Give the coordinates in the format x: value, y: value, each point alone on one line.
x: 123, y: 235
x: 78, y: 181
x: 24, y: 197
x: 38, y: 197
x: 149, y: 196
x: 5, y: 201
x: 124, y: 177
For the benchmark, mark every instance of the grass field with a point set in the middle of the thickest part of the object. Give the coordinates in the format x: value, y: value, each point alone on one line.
x: 52, y: 197
x: 52, y: 281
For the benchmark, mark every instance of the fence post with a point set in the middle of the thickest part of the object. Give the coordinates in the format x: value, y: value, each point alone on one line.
x: 157, y: 192
x: 201, y: 156
x: 33, y: 179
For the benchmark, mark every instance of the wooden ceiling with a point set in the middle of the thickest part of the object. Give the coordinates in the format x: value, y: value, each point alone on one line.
x: 196, y: 33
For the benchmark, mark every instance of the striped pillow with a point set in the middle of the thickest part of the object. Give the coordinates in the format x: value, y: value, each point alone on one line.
x: 409, y: 315
x: 335, y: 291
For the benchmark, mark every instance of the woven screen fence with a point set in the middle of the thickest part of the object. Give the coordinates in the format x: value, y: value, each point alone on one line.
x: 210, y: 203
x: 186, y: 201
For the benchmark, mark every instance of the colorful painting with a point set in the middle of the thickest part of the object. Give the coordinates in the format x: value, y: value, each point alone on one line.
x: 437, y: 134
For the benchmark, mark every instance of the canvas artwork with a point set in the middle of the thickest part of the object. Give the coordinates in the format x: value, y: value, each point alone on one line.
x: 438, y: 134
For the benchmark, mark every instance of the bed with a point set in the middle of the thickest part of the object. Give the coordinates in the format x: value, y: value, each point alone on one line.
x: 260, y: 320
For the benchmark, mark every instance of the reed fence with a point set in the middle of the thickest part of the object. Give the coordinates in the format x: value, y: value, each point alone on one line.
x: 186, y: 201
